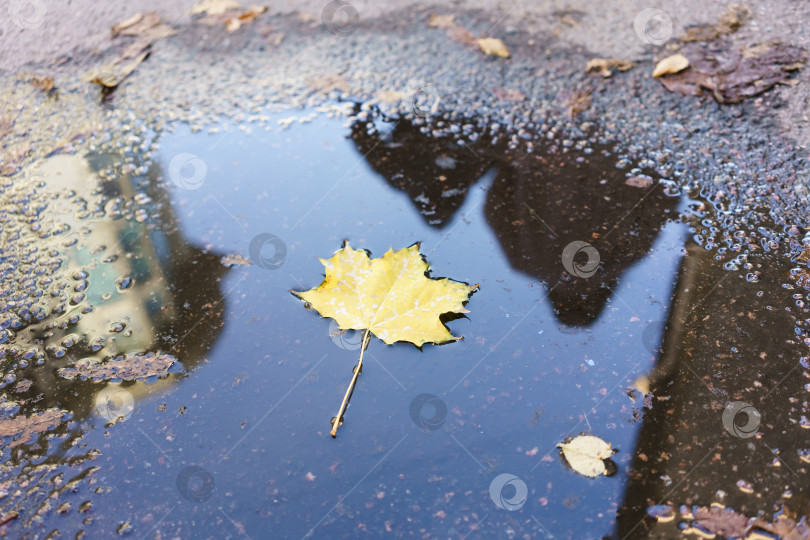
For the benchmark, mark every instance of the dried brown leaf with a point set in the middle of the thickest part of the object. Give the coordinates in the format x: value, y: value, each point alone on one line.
x: 605, y: 66
x: 43, y: 83
x: 454, y: 31
x: 22, y: 427
x: 111, y: 75
x: 731, y: 75
x: 459, y: 34
x: 214, y: 7
x: 735, y: 16
x: 126, y: 23
x: 143, y: 25
x: 246, y: 17
x: 132, y: 367
x: 722, y: 521
x: 785, y: 527
x: 579, y: 102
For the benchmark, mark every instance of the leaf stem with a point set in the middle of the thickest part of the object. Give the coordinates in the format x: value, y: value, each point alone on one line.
x: 337, y: 421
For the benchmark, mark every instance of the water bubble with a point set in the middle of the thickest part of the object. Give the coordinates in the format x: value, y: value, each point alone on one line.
x: 117, y: 327
x: 123, y: 283
x: 745, y: 487
x: 663, y: 513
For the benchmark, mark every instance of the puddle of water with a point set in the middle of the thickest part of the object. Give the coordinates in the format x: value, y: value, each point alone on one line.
x: 239, y: 443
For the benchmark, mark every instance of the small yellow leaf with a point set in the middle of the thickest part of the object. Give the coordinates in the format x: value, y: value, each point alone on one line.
x: 493, y: 47
x: 390, y: 296
x: 671, y: 64
x: 585, y: 454
x: 214, y: 7
x: 441, y: 21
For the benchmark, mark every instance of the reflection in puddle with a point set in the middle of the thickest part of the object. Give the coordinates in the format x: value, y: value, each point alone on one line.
x: 554, y: 345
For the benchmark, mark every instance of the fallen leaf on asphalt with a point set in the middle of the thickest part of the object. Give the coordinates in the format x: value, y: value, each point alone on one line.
x: 22, y: 427
x: 731, y: 75
x: 579, y: 102
x: 127, y: 368
x: 459, y: 34
x: 728, y: 23
x: 671, y: 64
x: 43, y: 83
x: 235, y: 259
x: 126, y: 23
x: 571, y: 17
x: 214, y: 7
x: 586, y: 454
x: 605, y: 66
x: 441, y: 21
x: 148, y: 28
x: 454, y: 31
x: 493, y: 47
x: 143, y: 25
x: 113, y: 74
x: 234, y: 23
x: 232, y: 18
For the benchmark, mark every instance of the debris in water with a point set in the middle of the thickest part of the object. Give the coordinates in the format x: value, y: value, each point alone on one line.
x: 235, y: 259
x: 23, y: 427
x: 639, y: 181
x: 132, y: 367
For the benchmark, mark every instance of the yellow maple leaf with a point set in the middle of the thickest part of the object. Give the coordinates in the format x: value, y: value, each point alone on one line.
x: 391, y: 296
x: 586, y: 454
